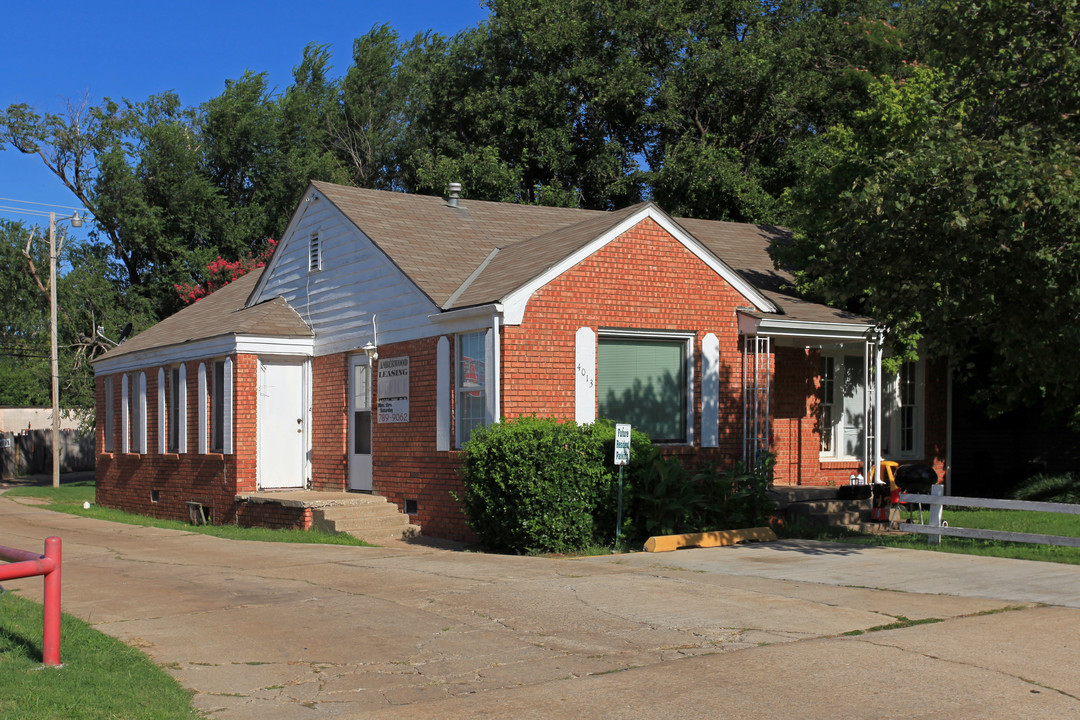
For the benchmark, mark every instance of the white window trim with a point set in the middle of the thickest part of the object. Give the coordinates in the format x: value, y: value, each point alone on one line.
x: 837, y: 429
x: 140, y: 427
x: 664, y: 336
x: 227, y: 409
x: 890, y: 408
x: 181, y: 411
x: 442, y: 394
x: 459, y: 389
x: 204, y: 401
x: 161, y: 406
x: 110, y: 415
x: 125, y: 413
x: 892, y: 395
x: 710, y: 391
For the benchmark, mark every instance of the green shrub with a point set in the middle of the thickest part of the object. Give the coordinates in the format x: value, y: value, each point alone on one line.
x: 539, y: 485
x: 534, y: 484
x: 1049, y: 488
x: 667, y: 499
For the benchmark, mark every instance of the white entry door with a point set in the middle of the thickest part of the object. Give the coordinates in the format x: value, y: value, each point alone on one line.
x: 359, y: 423
x: 282, y: 438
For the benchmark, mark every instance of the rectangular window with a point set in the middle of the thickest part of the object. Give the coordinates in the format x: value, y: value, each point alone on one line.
x: 643, y: 382
x: 471, y: 382
x: 138, y: 415
x: 175, y: 412
x: 842, y: 414
x: 908, y: 402
x: 109, y: 415
x: 362, y: 409
x: 217, y: 407
x: 826, y: 408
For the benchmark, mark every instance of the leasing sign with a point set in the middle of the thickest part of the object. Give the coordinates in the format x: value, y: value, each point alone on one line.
x: 394, y: 390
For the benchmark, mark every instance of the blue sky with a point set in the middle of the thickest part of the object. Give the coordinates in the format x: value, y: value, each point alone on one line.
x: 56, y: 51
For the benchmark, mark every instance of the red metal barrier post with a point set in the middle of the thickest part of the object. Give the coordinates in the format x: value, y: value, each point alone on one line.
x: 27, y: 564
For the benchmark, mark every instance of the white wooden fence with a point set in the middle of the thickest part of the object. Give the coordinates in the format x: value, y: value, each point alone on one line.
x: 935, y: 529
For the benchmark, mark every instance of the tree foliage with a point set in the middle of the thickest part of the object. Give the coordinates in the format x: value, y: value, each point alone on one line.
x: 948, y: 208
x: 925, y: 152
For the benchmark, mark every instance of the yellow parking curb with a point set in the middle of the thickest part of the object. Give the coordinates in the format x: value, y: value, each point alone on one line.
x: 667, y: 543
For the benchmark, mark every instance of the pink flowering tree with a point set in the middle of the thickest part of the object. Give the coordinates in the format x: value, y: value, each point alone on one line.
x: 221, y: 272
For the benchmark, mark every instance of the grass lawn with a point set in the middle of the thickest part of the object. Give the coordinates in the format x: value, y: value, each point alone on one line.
x: 983, y: 519
x: 69, y: 498
x: 101, y: 677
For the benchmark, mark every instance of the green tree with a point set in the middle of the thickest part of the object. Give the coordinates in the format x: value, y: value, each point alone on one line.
x: 948, y: 208
x: 87, y: 298
x: 24, y: 328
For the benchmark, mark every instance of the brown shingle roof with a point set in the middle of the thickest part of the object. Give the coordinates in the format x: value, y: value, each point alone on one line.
x: 474, y: 254
x: 439, y: 247
x: 219, y: 314
x: 745, y: 247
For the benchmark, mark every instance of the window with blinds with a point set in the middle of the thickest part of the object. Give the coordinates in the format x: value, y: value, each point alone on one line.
x: 642, y: 381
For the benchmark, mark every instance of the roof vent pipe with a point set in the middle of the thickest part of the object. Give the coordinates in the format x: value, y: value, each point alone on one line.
x: 455, y: 193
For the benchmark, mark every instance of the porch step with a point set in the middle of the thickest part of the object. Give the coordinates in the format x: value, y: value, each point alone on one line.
x: 833, y: 512
x: 370, y: 517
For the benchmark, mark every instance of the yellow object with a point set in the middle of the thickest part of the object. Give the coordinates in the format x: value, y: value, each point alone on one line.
x: 667, y: 543
x: 887, y: 467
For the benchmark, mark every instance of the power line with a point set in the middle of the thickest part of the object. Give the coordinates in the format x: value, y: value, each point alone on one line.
x: 31, y: 202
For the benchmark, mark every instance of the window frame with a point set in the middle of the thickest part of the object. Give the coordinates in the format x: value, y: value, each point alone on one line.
x: 138, y: 429
x: 890, y: 406
x: 109, y: 441
x: 462, y: 430
x: 687, y: 341
x: 216, y: 398
x: 176, y: 416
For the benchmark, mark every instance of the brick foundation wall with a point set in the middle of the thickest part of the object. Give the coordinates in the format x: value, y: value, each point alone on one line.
x: 161, y: 484
x: 272, y: 515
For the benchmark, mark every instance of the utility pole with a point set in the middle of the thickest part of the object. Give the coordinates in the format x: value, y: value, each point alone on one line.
x: 76, y: 221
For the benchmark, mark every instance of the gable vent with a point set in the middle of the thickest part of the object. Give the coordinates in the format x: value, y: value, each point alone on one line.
x: 314, y: 253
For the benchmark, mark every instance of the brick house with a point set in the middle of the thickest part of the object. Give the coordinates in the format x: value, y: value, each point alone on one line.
x: 387, y: 326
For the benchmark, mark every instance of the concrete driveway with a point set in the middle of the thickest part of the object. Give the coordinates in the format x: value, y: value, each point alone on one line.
x: 266, y: 630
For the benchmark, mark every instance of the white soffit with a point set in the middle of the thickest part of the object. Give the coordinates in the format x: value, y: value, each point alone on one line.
x: 205, y: 349
x: 514, y: 303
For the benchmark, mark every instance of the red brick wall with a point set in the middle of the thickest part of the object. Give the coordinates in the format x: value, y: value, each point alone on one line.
x: 330, y: 422
x: 406, y: 464
x: 160, y: 485
x: 644, y: 279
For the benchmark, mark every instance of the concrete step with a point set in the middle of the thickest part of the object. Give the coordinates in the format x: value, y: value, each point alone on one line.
x: 382, y: 508
x: 833, y: 519
x: 817, y: 507
x: 372, y: 519
x: 871, y: 528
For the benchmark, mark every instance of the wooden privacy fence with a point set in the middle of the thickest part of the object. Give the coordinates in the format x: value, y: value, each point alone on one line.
x: 936, y: 528
x: 30, y: 451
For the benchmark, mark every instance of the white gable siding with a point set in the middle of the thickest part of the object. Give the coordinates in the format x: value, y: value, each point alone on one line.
x: 356, y: 281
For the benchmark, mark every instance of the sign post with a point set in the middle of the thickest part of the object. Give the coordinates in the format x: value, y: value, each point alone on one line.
x: 622, y: 459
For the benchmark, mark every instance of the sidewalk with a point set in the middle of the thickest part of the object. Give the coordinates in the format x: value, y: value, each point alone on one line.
x: 265, y: 630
